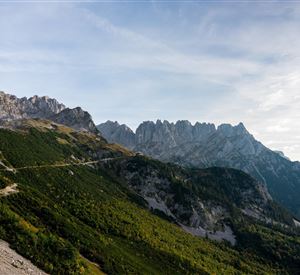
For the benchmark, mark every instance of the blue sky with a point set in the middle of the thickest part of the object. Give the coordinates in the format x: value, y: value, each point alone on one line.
x: 207, y: 61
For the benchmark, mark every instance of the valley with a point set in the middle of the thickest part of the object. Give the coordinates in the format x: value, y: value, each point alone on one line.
x: 72, y: 203
x: 144, y: 137
x: 100, y: 210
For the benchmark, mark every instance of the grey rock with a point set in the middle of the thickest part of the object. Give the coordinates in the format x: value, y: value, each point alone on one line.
x: 14, y: 108
x: 117, y: 132
x: 203, y: 145
x: 205, y: 200
x: 77, y: 119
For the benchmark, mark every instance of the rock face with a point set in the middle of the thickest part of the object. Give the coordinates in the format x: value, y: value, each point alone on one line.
x: 207, y: 200
x: 13, y: 108
x: 76, y: 118
x: 118, y: 132
x: 205, y: 145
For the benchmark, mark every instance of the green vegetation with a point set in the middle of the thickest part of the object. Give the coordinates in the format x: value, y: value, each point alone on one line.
x: 65, y: 218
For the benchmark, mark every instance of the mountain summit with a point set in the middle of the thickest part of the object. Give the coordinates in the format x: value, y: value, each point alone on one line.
x: 205, y: 145
x: 12, y: 108
x: 117, y: 132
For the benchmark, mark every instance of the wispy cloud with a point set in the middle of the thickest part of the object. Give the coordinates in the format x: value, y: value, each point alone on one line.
x: 197, y: 61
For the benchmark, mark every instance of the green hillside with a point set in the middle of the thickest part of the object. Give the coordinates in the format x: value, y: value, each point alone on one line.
x: 65, y: 217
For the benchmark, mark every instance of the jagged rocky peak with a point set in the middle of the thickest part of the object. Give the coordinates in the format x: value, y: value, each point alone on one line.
x: 168, y: 133
x: 183, y: 131
x: 209, y: 127
x: 109, y: 127
x: 110, y: 123
x: 228, y: 130
x: 12, y: 107
x: 239, y: 139
x: 44, y: 107
x: 46, y: 104
x: 8, y: 107
x: 76, y: 118
x: 144, y: 132
x: 183, y: 128
x: 116, y: 133
x: 163, y: 133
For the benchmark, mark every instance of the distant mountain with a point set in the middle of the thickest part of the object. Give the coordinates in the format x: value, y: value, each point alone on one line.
x: 117, y: 132
x: 75, y: 118
x: 205, y: 145
x: 12, y: 108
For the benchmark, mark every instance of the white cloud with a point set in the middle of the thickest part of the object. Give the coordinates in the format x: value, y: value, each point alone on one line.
x: 248, y: 54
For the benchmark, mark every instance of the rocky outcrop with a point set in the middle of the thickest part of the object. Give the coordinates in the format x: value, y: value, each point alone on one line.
x: 77, y: 119
x: 13, y: 108
x: 170, y: 134
x: 117, y: 132
x: 205, y: 145
x: 203, y: 202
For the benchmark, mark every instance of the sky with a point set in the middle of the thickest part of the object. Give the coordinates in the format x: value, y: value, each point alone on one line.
x: 131, y: 61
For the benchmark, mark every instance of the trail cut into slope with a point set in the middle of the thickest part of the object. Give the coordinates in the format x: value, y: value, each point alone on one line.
x: 61, y: 165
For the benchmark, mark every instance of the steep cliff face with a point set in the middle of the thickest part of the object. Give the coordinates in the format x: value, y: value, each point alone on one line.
x: 13, y: 108
x: 118, y: 132
x: 171, y: 134
x: 167, y: 140
x: 204, y: 145
x: 76, y: 118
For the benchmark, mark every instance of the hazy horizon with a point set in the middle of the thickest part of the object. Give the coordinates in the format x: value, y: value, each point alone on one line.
x: 217, y: 62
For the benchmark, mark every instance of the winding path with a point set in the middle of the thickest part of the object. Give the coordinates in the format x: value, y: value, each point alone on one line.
x: 60, y: 164
x: 12, y: 189
x: 11, y: 263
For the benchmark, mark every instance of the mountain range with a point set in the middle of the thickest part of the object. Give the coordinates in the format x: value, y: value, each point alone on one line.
x: 12, y: 108
x: 205, y: 145
x: 73, y: 203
